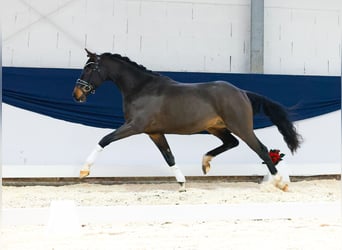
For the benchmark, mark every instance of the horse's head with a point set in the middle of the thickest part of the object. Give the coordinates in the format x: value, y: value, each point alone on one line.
x: 92, y: 76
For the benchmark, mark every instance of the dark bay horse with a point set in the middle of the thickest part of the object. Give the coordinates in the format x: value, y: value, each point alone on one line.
x: 157, y: 105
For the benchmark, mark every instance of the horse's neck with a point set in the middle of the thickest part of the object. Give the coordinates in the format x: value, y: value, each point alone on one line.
x: 127, y: 78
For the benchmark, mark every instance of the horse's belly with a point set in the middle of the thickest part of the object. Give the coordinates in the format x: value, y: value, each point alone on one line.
x: 183, y: 125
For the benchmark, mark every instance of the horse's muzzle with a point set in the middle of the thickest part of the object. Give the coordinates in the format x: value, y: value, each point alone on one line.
x: 78, y: 95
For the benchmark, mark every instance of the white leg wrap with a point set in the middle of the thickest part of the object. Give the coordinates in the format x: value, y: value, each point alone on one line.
x: 92, y: 157
x: 178, y: 174
x: 283, y: 171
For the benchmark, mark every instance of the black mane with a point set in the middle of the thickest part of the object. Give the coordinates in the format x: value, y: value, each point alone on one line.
x: 126, y: 59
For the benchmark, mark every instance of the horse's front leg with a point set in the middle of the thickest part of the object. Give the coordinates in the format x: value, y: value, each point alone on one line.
x: 124, y: 131
x: 85, y: 171
x: 161, y: 142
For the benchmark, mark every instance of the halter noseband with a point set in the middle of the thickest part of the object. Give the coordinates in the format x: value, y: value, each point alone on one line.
x: 87, y: 86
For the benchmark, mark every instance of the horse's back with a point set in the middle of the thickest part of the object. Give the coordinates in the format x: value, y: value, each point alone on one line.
x: 221, y: 95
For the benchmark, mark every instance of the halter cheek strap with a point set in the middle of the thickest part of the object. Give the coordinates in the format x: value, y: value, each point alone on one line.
x: 87, y: 86
x: 96, y: 65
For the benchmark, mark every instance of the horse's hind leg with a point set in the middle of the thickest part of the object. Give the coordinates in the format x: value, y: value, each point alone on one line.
x: 254, y: 143
x: 229, y: 141
x: 161, y: 142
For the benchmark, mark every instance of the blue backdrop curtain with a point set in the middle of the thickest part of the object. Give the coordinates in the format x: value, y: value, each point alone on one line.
x: 48, y: 91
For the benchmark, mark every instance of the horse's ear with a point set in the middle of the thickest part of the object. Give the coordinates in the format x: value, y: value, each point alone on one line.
x: 91, y: 55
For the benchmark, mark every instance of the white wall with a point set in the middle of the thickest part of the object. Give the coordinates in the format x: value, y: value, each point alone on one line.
x: 163, y: 35
x: 301, y: 37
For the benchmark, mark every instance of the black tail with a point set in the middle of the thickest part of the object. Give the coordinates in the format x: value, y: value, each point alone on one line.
x: 279, y: 116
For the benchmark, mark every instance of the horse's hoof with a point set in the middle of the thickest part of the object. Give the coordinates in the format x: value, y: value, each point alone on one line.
x: 84, y: 173
x: 285, y: 188
x: 278, y: 183
x: 206, y: 164
x: 182, y: 187
x: 206, y: 169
